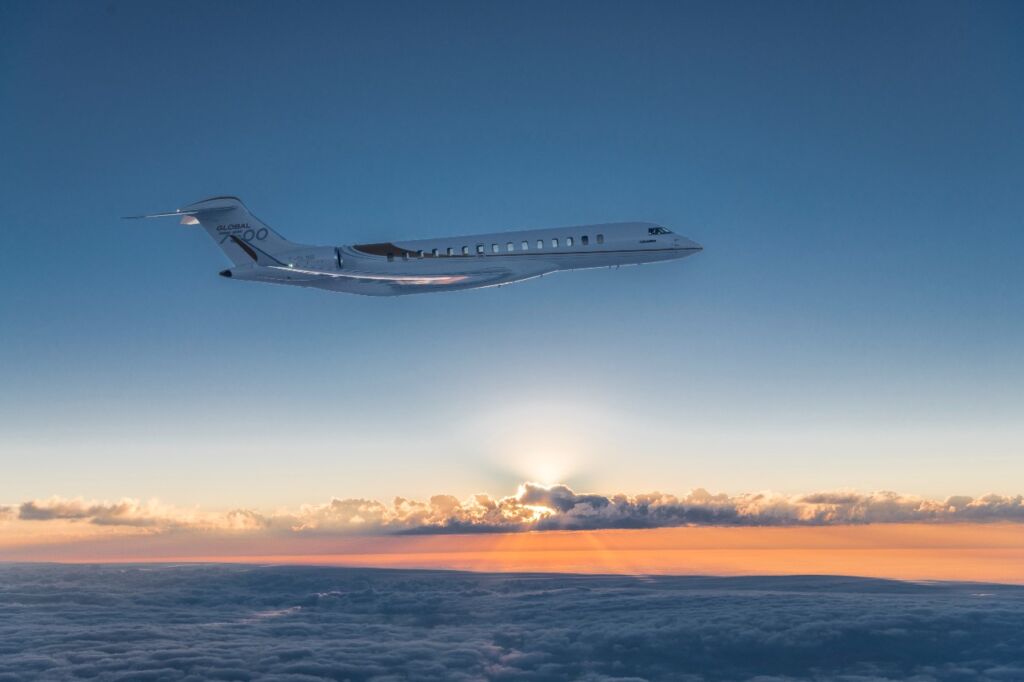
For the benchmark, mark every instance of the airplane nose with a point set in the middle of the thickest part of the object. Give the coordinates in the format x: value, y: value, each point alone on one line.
x: 688, y: 244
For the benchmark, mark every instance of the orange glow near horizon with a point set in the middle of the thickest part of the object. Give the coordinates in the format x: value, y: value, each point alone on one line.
x: 971, y: 552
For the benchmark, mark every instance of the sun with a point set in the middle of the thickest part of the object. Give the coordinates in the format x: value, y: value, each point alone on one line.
x: 546, y: 468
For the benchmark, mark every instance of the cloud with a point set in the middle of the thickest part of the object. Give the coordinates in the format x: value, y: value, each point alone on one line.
x: 123, y: 513
x: 305, y: 623
x: 537, y: 507
x: 126, y: 512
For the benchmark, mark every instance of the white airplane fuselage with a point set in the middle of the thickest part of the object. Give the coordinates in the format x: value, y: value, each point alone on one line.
x: 472, y: 261
x: 259, y: 254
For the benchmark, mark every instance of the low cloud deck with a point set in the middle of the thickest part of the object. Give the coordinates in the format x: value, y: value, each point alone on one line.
x: 304, y: 623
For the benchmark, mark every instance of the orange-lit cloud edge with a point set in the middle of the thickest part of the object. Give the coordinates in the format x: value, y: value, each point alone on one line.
x: 554, y: 529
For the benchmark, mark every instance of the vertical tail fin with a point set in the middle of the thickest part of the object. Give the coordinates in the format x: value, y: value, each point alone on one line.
x: 242, y: 237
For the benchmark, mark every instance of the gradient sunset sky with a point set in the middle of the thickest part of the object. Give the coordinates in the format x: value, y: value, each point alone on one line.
x: 854, y: 172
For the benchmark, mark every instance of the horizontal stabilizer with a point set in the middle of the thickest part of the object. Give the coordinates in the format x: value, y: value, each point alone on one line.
x: 177, y: 213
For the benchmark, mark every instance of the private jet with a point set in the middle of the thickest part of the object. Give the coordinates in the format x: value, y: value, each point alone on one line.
x: 259, y: 254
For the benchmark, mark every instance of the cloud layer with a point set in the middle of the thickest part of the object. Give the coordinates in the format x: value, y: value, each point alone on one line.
x: 303, y: 624
x: 537, y: 507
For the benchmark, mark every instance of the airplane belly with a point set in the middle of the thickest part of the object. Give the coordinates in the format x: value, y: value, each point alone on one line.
x: 419, y: 278
x: 377, y: 277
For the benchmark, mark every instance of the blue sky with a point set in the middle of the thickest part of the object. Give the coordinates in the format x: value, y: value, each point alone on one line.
x: 853, y: 170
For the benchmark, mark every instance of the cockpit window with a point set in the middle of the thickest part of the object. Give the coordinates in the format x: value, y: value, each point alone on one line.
x: 658, y: 230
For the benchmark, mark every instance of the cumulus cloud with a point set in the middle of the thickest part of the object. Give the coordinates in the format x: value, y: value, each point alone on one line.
x: 305, y: 623
x: 538, y: 507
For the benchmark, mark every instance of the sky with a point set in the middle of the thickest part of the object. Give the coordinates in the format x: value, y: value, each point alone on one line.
x: 853, y: 170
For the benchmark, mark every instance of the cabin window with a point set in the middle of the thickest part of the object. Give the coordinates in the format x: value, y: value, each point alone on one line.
x: 465, y: 250
x: 525, y: 245
x: 391, y: 257
x: 600, y: 239
x: 433, y: 252
x: 405, y: 255
x: 585, y: 240
x: 510, y: 247
x: 448, y: 251
x: 480, y: 249
x: 540, y: 243
x: 568, y: 241
x: 554, y: 242
x: 494, y: 248
x: 419, y: 253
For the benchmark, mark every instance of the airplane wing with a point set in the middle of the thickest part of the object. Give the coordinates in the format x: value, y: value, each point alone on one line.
x: 418, y: 280
x: 407, y: 283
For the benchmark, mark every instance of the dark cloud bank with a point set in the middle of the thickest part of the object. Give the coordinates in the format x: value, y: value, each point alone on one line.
x: 303, y: 623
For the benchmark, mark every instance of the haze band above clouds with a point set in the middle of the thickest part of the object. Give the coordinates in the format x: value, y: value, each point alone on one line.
x: 535, y: 507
